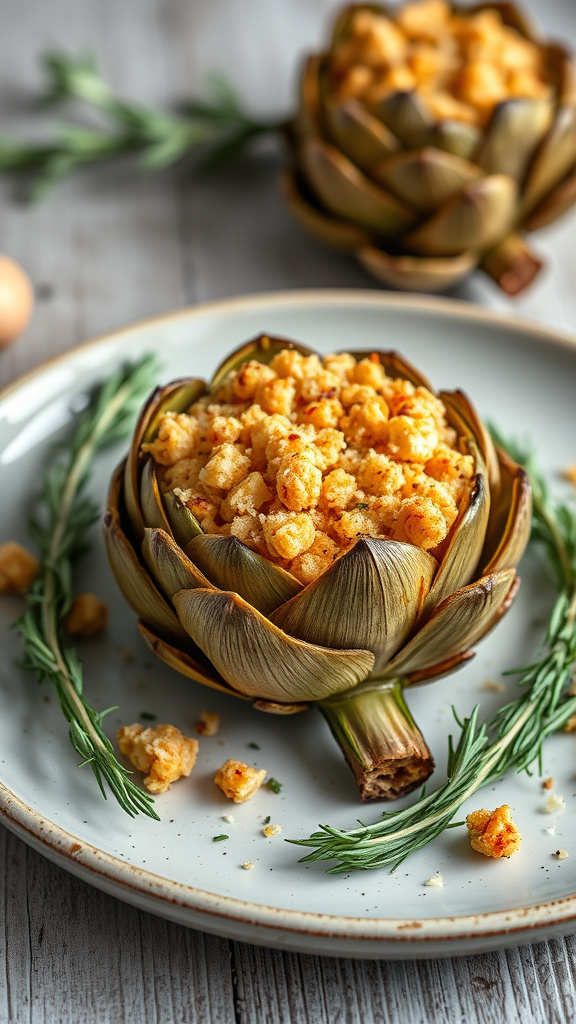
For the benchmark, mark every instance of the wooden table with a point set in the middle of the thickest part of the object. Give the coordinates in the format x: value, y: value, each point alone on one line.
x: 113, y: 246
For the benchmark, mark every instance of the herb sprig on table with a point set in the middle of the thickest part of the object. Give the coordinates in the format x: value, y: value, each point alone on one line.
x: 485, y: 750
x: 214, y: 129
x: 64, y: 514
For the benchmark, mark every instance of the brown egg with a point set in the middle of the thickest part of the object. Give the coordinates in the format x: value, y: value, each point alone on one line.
x: 16, y: 300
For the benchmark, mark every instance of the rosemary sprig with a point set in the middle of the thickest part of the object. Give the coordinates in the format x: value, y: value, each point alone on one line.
x: 216, y: 128
x: 485, y: 751
x: 65, y: 512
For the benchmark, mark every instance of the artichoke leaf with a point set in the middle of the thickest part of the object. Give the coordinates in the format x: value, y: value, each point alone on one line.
x: 170, y: 567
x: 474, y: 219
x: 308, y: 118
x: 460, y: 621
x: 463, y: 417
x: 406, y: 116
x: 416, y: 273
x: 455, y: 137
x: 515, y: 130
x: 136, y: 585
x: 337, y: 234
x: 510, y: 521
x: 425, y: 178
x: 395, y: 366
x: 369, y: 598
x: 555, y: 205
x: 464, y: 549
x: 364, y: 139
x: 262, y: 349
x: 347, y: 192
x: 257, y: 658
x: 151, y: 502
x: 231, y: 565
x: 183, y: 525
x: 177, y: 396
x: 554, y: 159
x: 183, y: 663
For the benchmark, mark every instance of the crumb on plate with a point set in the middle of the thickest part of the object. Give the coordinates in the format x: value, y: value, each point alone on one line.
x: 570, y: 725
x: 435, y: 882
x: 548, y: 783
x: 18, y: 568
x: 238, y: 781
x: 163, y: 752
x: 248, y: 865
x: 554, y: 802
x: 208, y: 723
x: 493, y: 833
x: 88, y: 616
x: 569, y: 474
x: 491, y: 686
x: 271, y: 830
x: 561, y: 854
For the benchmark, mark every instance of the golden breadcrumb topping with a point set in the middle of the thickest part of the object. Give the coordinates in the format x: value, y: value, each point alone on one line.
x: 238, y: 781
x: 300, y: 458
x: 493, y: 833
x: 18, y: 568
x: 163, y: 752
x: 461, y: 64
x: 88, y: 616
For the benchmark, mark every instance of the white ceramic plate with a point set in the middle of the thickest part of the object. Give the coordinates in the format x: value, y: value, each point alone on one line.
x: 520, y: 376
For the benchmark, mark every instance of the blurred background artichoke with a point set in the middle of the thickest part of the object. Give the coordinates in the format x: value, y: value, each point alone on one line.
x: 430, y: 138
x: 290, y: 562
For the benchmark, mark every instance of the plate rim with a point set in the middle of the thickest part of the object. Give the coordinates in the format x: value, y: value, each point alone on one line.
x: 156, y: 893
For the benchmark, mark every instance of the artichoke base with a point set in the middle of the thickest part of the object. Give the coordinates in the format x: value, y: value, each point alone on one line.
x: 379, y: 739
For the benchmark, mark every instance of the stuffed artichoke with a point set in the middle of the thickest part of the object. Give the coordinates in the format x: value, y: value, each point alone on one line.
x: 430, y: 137
x: 318, y: 531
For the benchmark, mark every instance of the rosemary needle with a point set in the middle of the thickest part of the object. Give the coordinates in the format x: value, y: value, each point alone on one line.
x: 65, y: 512
x: 485, y: 751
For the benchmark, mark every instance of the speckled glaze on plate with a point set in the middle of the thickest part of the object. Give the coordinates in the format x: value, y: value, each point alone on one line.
x: 522, y: 377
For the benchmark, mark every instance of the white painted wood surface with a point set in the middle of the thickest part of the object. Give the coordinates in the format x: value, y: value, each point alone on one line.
x: 113, y: 246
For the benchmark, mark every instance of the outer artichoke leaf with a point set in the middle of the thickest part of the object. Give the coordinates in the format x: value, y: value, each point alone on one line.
x: 338, y: 234
x: 511, y: 264
x: 474, y: 219
x: 175, y: 397
x: 136, y: 585
x: 455, y: 137
x: 416, y: 273
x: 257, y: 658
x: 460, y: 621
x: 151, y: 502
x: 406, y: 116
x: 170, y: 567
x: 460, y: 561
x: 395, y: 365
x: 363, y: 138
x: 510, y: 520
x: 463, y: 416
x: 516, y: 128
x: 370, y: 598
x: 182, y: 662
x: 308, y: 118
x: 554, y: 206
x: 262, y: 349
x: 554, y: 159
x: 347, y: 192
x: 444, y: 668
x: 231, y: 565
x: 426, y: 178
x: 183, y: 525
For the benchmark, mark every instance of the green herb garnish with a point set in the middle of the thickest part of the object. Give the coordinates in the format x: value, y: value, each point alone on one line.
x: 254, y: 746
x: 147, y: 716
x: 361, y: 505
x: 219, y: 839
x: 274, y: 785
x: 63, y: 517
x: 512, y: 740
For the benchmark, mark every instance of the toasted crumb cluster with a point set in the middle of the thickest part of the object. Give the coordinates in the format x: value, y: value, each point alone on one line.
x: 163, y: 752
x: 493, y: 833
x: 18, y: 568
x: 300, y: 458
x: 88, y: 616
x: 461, y: 64
x: 271, y: 830
x: 238, y: 781
x: 208, y: 724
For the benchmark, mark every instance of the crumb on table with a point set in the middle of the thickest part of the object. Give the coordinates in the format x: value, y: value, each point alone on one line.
x: 493, y: 833
x: 435, y: 882
x: 248, y: 865
x: 548, y: 783
x: 88, y: 616
x: 208, y: 723
x: 271, y: 830
x: 18, y: 568
x: 554, y: 802
x: 238, y: 781
x: 163, y: 752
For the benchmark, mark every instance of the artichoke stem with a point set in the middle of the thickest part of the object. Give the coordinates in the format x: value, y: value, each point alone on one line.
x: 511, y: 264
x: 380, y: 740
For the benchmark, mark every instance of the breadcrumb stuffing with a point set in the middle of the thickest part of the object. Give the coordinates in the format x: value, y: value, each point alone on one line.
x: 238, y: 781
x: 18, y: 568
x: 300, y: 458
x: 493, y: 833
x: 163, y: 752
x: 271, y: 830
x: 88, y: 616
x: 208, y: 723
x: 554, y: 803
x: 436, y: 881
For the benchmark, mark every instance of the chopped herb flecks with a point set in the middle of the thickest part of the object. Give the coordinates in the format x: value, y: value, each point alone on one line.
x: 219, y: 839
x: 274, y: 785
